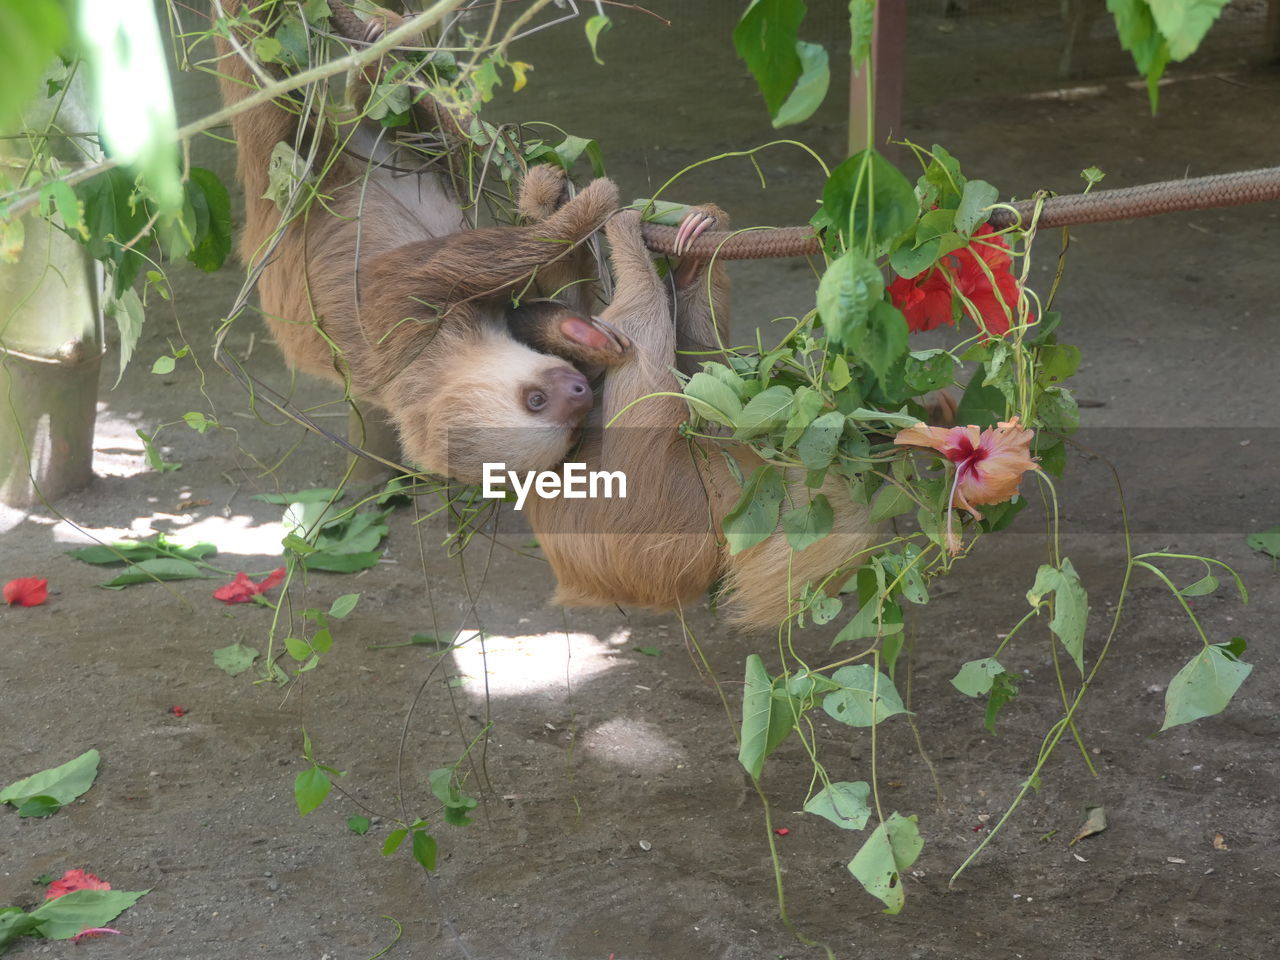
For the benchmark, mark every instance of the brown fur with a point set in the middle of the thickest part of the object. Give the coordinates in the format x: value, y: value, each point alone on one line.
x: 663, y: 546
x: 380, y: 287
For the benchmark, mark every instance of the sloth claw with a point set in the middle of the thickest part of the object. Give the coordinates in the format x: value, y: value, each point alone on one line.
x: 621, y: 342
x: 596, y: 337
x: 691, y: 227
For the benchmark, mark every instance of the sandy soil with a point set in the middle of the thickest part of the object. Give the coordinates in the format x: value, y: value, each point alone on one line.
x: 614, y: 819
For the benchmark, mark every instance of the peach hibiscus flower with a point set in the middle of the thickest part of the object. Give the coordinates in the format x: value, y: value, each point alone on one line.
x: 989, y: 463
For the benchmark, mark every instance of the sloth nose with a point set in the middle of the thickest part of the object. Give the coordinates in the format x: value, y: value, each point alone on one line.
x: 571, y: 394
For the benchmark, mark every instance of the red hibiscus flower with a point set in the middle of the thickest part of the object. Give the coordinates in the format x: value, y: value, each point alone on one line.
x: 925, y: 301
x: 979, y: 273
x: 75, y: 880
x: 26, y: 592
x: 242, y: 589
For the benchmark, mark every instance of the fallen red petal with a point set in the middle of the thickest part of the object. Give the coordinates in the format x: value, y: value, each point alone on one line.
x: 75, y: 880
x: 26, y: 592
x: 178, y: 711
x: 94, y: 932
x: 242, y: 589
x: 782, y: 831
x: 270, y: 580
x: 238, y: 590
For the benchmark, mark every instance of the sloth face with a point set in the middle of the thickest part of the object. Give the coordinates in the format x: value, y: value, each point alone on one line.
x: 499, y: 402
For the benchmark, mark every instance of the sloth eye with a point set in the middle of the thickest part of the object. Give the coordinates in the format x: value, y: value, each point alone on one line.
x: 536, y: 400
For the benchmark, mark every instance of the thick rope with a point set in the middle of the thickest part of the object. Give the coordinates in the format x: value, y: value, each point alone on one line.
x: 1099, y: 206
x: 1200, y: 193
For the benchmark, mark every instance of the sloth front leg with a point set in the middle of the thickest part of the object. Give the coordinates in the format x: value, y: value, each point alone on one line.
x: 701, y: 293
x: 552, y: 327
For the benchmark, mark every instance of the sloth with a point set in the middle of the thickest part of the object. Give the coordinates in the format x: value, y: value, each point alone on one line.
x: 379, y: 285
x: 662, y: 545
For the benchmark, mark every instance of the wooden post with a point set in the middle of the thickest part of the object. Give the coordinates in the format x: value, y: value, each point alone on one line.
x: 887, y: 66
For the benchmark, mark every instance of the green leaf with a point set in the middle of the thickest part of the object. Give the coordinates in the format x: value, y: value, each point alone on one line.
x: 358, y: 825
x: 892, y: 847
x: 904, y: 570
x: 890, y: 647
x: 154, y: 459
x: 942, y: 183
x: 15, y: 923
x: 817, y: 445
x: 1266, y: 541
x: 805, y: 526
x: 310, y: 788
x: 424, y: 849
x: 114, y: 216
x: 298, y: 649
x: 712, y: 399
x: 33, y: 32
x: 393, y: 841
x: 890, y: 215
x: 234, y: 659
x: 766, y: 38
x: 1057, y: 362
x: 1202, y: 587
x: 1184, y: 23
x: 571, y: 148
x: 929, y: 370
x: 126, y: 309
x: 1136, y: 27
x: 198, y: 422
x: 595, y: 26
x: 810, y: 90
x: 1070, y: 609
x: 844, y: 804
x: 766, y: 410
x: 161, y: 568
x: 267, y: 49
x: 1206, y: 684
x: 322, y: 641
x: 755, y: 516
x: 977, y: 197
x: 342, y: 562
x: 898, y: 421
x: 69, y: 914
x: 807, y: 404
x: 847, y: 293
x: 838, y: 377
x: 885, y: 345
x: 60, y: 197
x: 976, y: 676
x: 1003, y: 690
x: 862, y: 19
x: 445, y: 787
x: 63, y: 783
x: 39, y: 807
x: 891, y: 501
x: 317, y: 495
x: 163, y: 366
x: 981, y: 405
x: 873, y: 618
x: 212, y: 205
x: 822, y: 608
x: 344, y: 605
x: 865, y: 697
x: 766, y: 719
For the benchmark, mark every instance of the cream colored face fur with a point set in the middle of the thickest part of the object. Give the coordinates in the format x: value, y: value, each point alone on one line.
x: 483, y: 413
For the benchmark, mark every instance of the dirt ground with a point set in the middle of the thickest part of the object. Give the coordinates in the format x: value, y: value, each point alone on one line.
x: 614, y: 819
